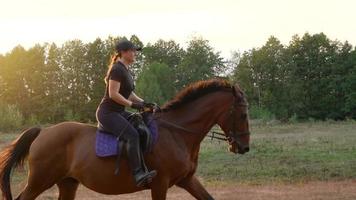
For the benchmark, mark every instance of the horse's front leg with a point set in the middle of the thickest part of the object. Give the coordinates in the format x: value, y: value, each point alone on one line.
x: 159, y: 188
x: 195, y: 188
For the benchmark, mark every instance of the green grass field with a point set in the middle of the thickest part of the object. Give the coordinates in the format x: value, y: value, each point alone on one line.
x: 298, y: 152
x: 285, y: 153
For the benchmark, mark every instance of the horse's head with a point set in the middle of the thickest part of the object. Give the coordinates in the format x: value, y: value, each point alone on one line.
x: 234, y: 122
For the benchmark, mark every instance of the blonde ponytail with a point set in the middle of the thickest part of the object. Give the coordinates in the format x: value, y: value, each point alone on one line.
x: 112, y: 62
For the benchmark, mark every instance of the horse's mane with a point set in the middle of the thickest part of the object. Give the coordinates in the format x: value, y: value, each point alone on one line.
x: 194, y: 91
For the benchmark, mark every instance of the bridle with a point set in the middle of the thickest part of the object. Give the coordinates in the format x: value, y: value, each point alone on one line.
x: 233, y: 135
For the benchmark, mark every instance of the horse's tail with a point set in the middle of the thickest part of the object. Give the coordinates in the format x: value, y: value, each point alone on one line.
x: 13, y: 156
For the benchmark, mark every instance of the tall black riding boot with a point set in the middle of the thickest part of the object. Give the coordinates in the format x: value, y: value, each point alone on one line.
x: 141, y: 176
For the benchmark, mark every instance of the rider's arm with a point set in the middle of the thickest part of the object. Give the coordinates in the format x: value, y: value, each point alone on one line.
x: 114, y: 87
x: 133, y: 97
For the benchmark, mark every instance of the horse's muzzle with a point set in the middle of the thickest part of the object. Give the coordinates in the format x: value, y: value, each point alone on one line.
x: 243, y: 149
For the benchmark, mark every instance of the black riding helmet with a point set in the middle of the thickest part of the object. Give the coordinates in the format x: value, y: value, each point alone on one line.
x: 124, y: 45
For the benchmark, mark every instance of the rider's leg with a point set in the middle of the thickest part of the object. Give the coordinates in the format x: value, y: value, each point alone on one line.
x: 118, y: 125
x: 134, y: 153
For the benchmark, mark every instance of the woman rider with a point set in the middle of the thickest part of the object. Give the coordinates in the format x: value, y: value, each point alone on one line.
x: 111, y: 114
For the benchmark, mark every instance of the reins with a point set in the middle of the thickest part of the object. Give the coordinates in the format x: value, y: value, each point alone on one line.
x: 176, y: 126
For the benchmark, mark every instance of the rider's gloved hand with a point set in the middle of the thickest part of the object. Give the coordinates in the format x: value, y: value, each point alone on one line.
x: 153, y: 107
x: 138, y: 105
x: 149, y: 104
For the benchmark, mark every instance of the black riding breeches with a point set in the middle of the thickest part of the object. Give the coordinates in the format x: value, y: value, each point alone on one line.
x: 117, y: 124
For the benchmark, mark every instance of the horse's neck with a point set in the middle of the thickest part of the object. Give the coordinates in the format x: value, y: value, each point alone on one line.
x: 198, y: 117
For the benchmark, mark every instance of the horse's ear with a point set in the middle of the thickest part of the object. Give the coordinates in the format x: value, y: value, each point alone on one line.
x: 237, y: 90
x: 237, y: 86
x: 233, y: 90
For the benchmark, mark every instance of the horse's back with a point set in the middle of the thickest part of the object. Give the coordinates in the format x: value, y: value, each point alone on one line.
x: 60, y: 139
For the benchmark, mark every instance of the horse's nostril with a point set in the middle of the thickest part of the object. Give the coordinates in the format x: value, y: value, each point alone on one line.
x: 247, y: 149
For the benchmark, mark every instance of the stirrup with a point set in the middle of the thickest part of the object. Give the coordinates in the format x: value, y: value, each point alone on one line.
x: 147, y: 178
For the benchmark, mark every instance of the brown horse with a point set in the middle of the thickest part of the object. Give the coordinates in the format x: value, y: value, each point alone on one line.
x: 64, y: 154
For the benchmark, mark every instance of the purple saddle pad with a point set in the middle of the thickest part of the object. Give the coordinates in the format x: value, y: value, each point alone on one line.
x: 106, y: 144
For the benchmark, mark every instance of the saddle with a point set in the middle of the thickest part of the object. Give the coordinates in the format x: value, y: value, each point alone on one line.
x: 107, y: 144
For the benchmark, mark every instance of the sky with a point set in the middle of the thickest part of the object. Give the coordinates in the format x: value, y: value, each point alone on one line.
x: 229, y: 25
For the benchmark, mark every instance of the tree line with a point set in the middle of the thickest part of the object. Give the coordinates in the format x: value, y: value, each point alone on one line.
x: 49, y: 83
x: 311, y: 77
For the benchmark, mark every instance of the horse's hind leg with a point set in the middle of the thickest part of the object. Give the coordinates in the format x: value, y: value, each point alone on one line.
x: 39, y: 180
x: 67, y: 189
x: 34, y: 187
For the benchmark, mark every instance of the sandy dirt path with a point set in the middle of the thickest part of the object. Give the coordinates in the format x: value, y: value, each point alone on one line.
x: 341, y: 190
